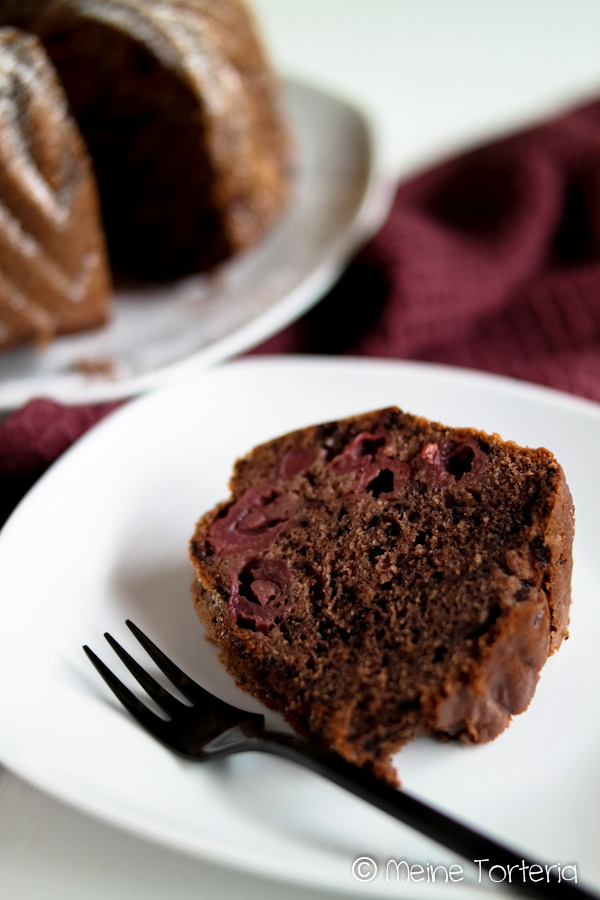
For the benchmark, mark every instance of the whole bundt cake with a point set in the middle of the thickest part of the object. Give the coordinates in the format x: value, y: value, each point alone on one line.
x: 178, y: 108
x: 54, y: 276
x: 384, y: 577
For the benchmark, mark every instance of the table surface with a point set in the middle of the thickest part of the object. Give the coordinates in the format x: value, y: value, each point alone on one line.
x: 434, y: 76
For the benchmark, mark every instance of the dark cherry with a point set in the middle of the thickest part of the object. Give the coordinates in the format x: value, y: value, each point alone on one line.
x: 254, y: 521
x: 260, y: 593
x: 358, y: 454
x: 297, y: 460
x: 381, y: 474
x: 384, y: 477
x: 448, y: 461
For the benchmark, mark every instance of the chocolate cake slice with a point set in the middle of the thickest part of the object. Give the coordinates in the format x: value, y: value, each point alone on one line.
x: 384, y: 577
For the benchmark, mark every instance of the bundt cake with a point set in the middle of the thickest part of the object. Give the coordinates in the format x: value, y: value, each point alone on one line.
x: 384, y: 577
x: 179, y: 111
x: 54, y: 276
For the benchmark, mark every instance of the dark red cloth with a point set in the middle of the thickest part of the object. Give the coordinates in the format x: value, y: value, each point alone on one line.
x: 490, y: 261
x: 37, y: 434
x: 33, y: 437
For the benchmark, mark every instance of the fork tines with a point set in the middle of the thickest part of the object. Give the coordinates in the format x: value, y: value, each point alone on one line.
x: 203, y: 702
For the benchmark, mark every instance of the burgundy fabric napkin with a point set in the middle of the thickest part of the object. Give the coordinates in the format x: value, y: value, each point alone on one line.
x: 490, y: 261
x: 33, y: 437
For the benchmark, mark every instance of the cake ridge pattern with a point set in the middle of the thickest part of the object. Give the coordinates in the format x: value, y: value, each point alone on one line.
x: 51, y: 248
x: 202, y: 66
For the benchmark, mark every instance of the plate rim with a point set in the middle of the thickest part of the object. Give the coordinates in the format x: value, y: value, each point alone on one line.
x: 138, y: 824
x: 370, y: 214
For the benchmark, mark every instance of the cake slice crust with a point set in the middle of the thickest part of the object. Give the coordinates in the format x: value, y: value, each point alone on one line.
x: 384, y: 577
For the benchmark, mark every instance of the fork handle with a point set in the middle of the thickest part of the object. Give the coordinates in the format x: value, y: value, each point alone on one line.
x: 418, y: 815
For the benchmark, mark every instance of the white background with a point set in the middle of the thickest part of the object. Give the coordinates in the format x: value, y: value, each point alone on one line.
x: 435, y: 75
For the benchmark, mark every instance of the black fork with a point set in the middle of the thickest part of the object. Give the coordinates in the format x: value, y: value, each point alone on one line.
x: 210, y: 729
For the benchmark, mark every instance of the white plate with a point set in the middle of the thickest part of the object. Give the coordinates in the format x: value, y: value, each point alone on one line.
x: 103, y: 536
x: 159, y: 334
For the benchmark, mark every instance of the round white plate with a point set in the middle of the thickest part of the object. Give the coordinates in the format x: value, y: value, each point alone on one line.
x: 103, y: 536
x: 162, y: 333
